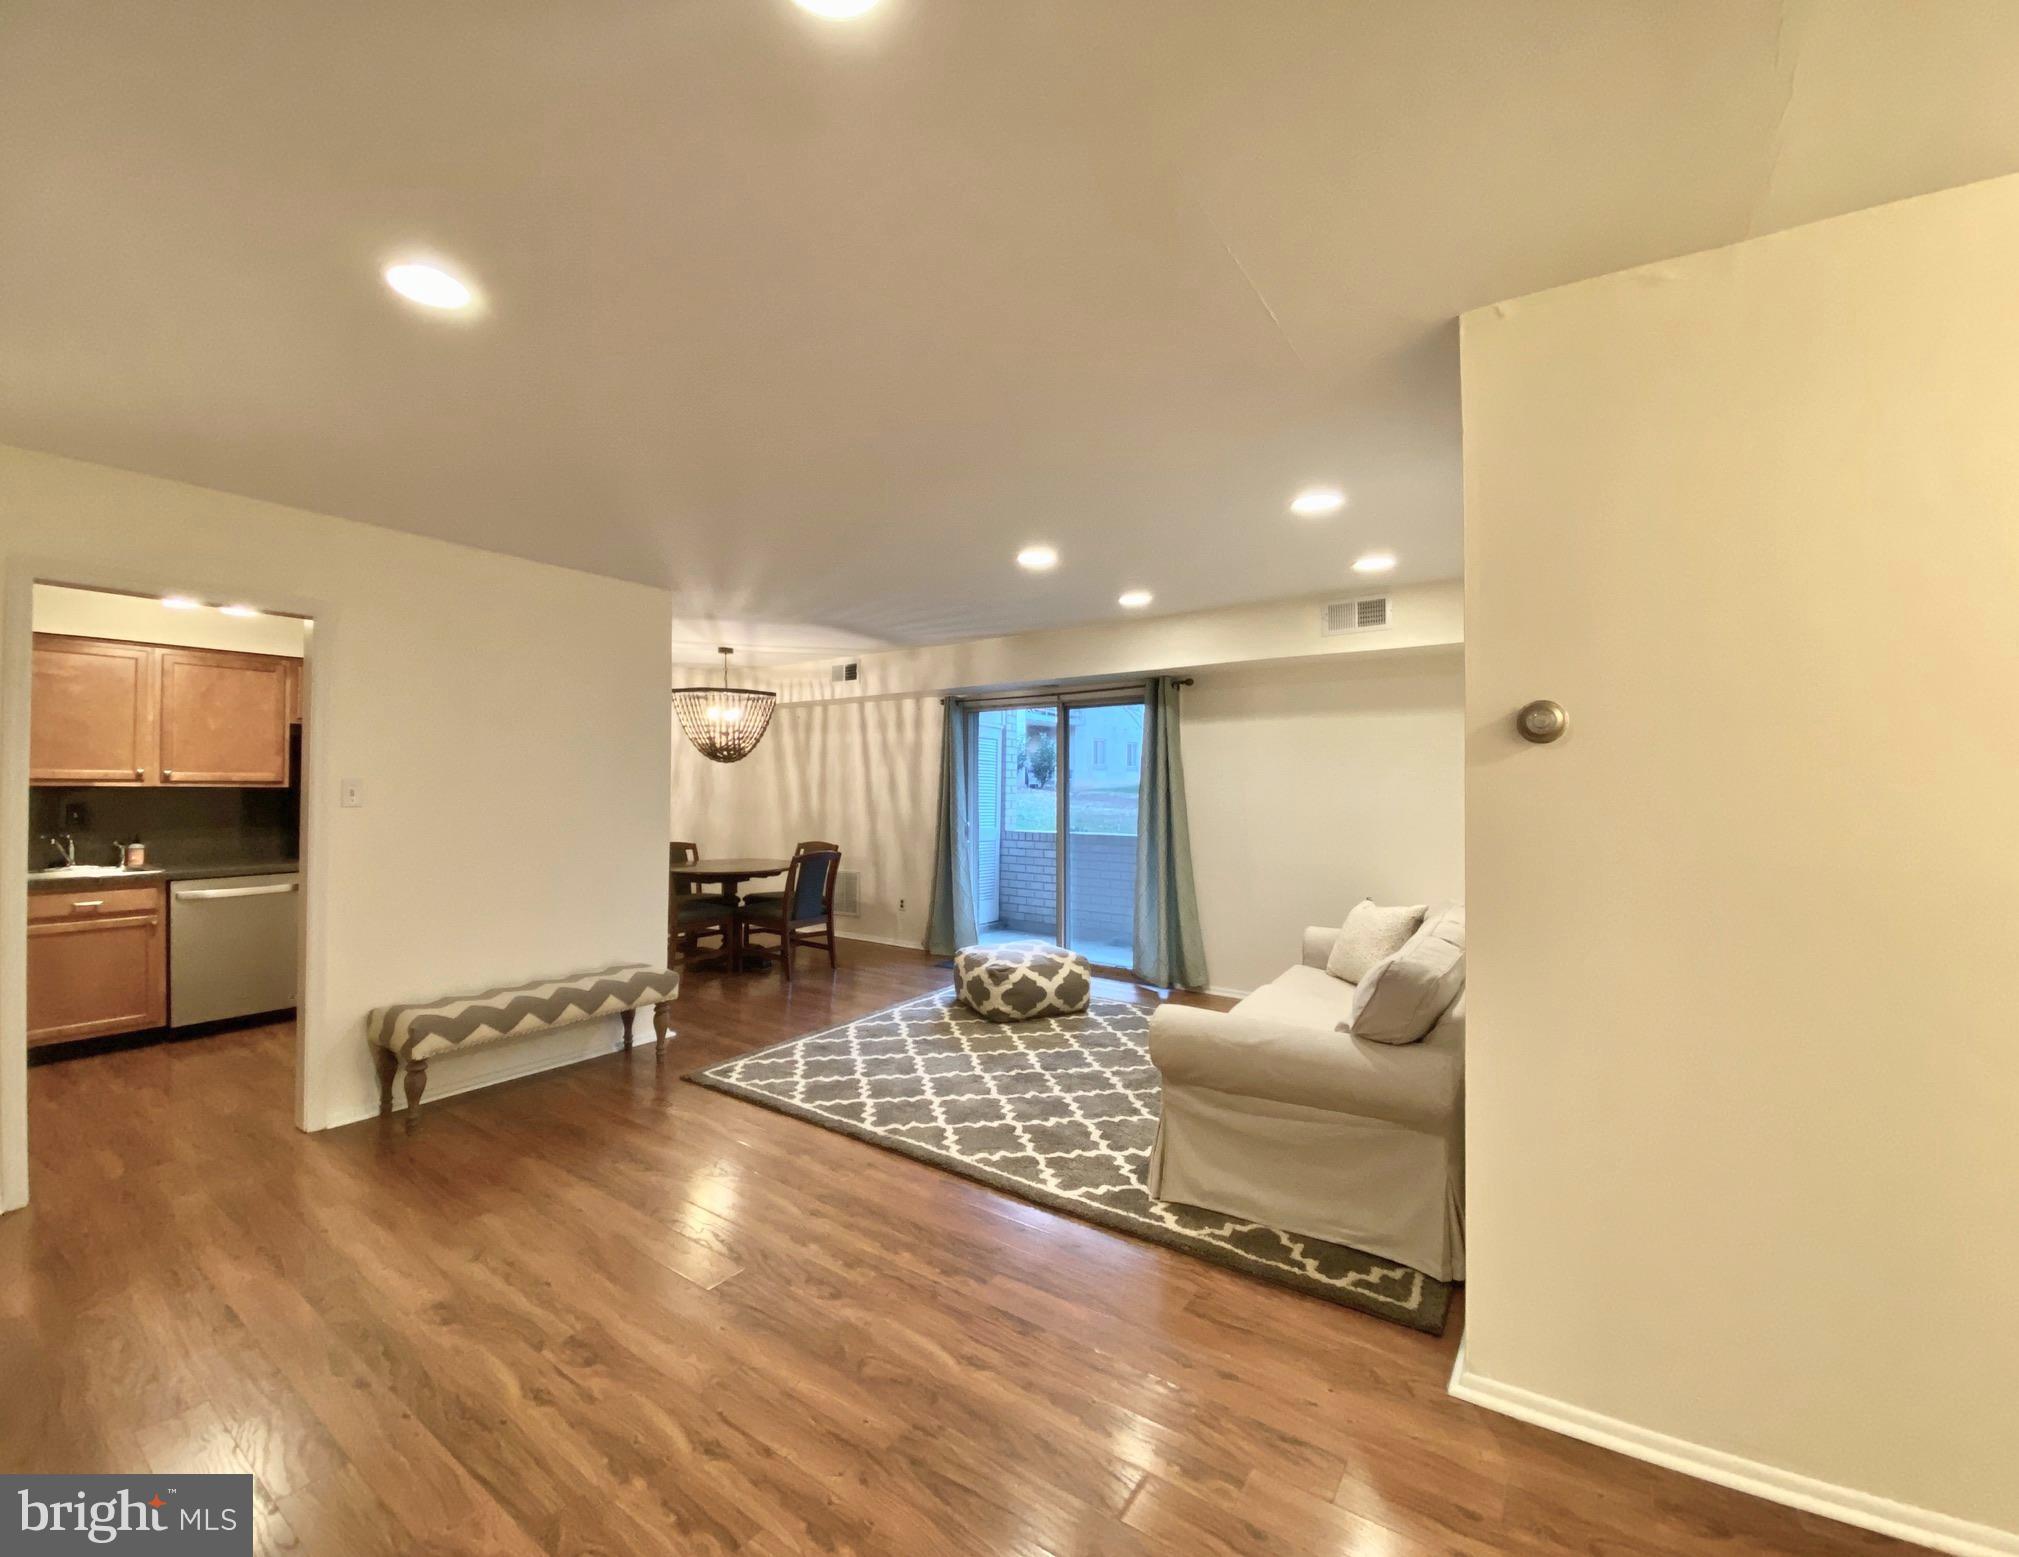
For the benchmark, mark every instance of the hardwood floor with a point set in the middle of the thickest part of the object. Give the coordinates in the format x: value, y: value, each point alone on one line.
x: 603, y: 1311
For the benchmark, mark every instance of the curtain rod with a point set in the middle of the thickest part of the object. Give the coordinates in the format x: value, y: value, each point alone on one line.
x: 1059, y: 690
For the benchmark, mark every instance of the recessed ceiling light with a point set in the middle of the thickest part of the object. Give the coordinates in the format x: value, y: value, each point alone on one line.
x: 428, y: 285
x: 1375, y: 562
x: 238, y: 610
x: 838, y: 9
x: 1134, y: 599
x: 1037, y: 558
x: 180, y: 602
x: 1313, y: 501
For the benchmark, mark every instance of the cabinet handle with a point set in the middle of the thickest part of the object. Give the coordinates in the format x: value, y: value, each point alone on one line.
x: 168, y: 773
x: 89, y: 902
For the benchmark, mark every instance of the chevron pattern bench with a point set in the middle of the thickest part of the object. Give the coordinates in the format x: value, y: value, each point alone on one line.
x: 414, y: 1034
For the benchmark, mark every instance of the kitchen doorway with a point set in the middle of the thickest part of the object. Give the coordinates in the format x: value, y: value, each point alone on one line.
x: 165, y: 737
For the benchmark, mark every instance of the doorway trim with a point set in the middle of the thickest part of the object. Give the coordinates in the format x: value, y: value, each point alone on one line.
x: 17, y: 637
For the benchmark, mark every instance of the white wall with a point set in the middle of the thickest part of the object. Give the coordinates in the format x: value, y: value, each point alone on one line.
x: 92, y: 613
x: 1311, y: 781
x: 1312, y: 786
x: 1421, y: 616
x: 1743, y: 1085
x: 507, y: 719
x: 864, y: 774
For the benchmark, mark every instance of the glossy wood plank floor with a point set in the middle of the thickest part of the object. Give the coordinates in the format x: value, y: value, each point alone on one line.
x: 603, y: 1311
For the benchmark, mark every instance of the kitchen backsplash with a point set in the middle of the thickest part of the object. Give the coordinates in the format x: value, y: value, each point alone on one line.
x: 179, y: 826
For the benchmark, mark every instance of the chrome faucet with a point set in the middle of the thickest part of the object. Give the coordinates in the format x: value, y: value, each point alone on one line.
x: 67, y: 847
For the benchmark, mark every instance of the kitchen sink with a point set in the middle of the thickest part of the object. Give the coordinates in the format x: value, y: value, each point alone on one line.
x: 80, y: 872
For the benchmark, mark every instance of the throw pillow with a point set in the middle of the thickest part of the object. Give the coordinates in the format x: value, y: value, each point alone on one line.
x: 1369, y: 934
x: 1403, y: 996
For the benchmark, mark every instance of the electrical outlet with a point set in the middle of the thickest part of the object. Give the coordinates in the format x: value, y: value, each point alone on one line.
x: 76, y: 817
x: 900, y: 905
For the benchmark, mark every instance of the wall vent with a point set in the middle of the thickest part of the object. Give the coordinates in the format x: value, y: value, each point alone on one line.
x: 847, y: 670
x: 1361, y: 614
x: 848, y: 892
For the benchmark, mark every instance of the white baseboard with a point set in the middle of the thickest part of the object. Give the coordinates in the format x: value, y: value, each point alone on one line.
x: 443, y: 1082
x: 1923, y: 1526
x: 876, y: 940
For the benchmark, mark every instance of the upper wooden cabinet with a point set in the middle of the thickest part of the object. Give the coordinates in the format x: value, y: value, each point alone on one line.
x: 136, y: 713
x: 93, y: 712
x: 223, y: 718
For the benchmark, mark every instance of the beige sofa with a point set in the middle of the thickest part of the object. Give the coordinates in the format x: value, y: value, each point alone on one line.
x: 1271, y: 1114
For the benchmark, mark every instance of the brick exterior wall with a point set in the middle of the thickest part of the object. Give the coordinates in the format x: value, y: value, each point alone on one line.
x: 1103, y: 867
x: 1030, y: 884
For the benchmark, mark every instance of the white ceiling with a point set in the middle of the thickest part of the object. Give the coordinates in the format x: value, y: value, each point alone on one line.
x: 817, y: 322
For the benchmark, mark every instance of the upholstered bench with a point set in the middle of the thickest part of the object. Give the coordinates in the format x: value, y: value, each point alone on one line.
x: 1019, y: 980
x: 416, y: 1033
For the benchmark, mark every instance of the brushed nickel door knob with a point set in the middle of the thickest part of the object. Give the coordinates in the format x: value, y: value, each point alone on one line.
x: 1541, y: 721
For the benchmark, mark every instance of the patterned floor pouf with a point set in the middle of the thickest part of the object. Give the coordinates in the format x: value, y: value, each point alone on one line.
x: 1019, y: 980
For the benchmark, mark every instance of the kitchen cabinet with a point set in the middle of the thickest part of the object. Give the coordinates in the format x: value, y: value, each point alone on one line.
x: 223, y: 718
x: 97, y: 962
x: 150, y: 714
x: 92, y: 712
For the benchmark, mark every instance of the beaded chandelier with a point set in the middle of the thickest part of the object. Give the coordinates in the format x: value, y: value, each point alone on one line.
x: 725, y: 723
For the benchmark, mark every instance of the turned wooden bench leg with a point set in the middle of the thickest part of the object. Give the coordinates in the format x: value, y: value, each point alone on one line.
x: 389, y: 1067
x: 629, y: 1017
x: 417, y: 1081
x: 662, y: 1026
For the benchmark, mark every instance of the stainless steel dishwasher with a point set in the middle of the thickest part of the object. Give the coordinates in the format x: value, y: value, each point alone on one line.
x: 233, y: 942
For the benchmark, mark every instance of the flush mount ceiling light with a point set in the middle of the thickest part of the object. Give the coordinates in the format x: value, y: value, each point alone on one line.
x: 238, y: 610
x: 429, y: 285
x: 837, y: 10
x: 1314, y: 501
x: 181, y: 602
x: 1037, y: 558
x: 725, y: 723
x: 1375, y: 562
x: 1134, y: 599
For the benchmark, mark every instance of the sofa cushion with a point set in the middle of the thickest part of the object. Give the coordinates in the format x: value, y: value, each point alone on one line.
x: 1370, y: 933
x: 1248, y: 1052
x: 1304, y: 996
x: 1402, y: 996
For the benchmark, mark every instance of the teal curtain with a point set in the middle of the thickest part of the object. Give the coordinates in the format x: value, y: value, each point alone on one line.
x: 950, y: 925
x: 1169, y: 950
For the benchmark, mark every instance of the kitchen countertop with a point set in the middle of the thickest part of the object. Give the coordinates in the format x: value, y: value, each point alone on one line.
x: 154, y: 873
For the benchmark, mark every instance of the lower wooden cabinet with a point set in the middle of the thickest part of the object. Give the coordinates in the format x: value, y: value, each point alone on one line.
x: 97, y: 962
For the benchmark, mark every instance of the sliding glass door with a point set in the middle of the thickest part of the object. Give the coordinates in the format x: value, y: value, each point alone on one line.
x: 1104, y: 766
x: 1054, y: 822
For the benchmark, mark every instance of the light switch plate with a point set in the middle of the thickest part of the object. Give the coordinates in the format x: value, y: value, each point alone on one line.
x: 353, y: 792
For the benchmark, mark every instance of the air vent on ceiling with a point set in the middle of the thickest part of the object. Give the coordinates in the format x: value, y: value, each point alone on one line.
x: 1359, y: 615
x: 848, y: 892
x: 847, y: 670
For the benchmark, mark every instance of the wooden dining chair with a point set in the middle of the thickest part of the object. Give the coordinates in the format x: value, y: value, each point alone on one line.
x: 692, y: 913
x: 768, y: 902
x: 801, y: 915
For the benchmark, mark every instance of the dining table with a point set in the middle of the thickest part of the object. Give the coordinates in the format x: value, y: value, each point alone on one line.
x: 730, y: 874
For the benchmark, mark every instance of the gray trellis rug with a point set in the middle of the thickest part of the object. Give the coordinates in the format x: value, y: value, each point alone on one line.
x: 1060, y: 1111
